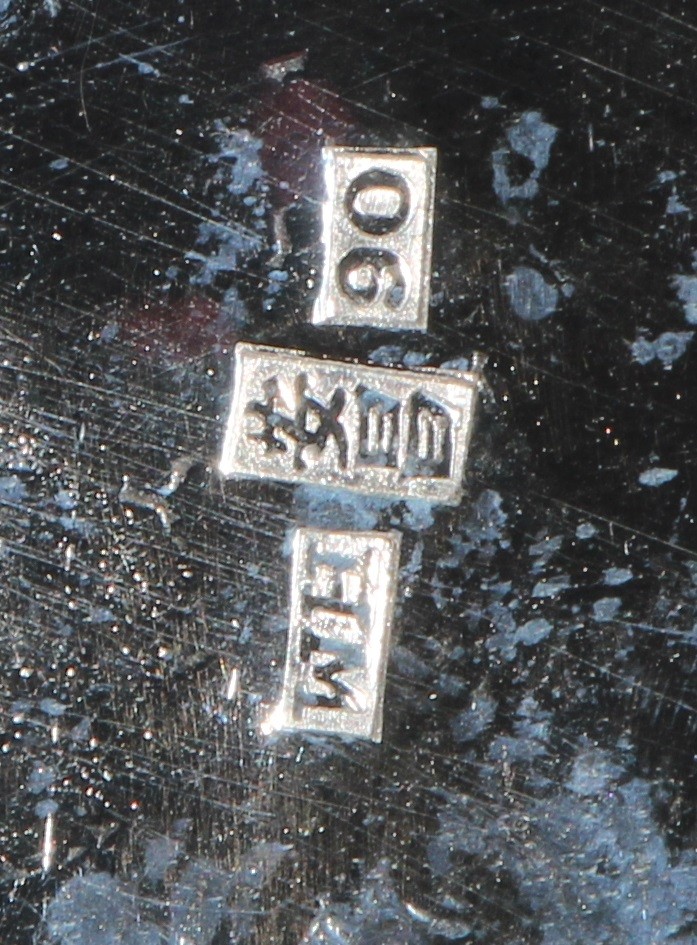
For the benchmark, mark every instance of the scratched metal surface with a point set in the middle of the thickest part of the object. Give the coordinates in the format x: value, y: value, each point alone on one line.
x: 536, y: 781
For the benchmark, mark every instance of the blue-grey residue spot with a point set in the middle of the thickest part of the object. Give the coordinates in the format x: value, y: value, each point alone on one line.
x: 588, y: 867
x: 96, y: 909
x: 613, y: 577
x: 81, y: 732
x: 675, y: 206
x: 489, y: 517
x: 671, y: 345
x: 238, y: 159
x: 233, y: 310
x: 377, y: 916
x: 544, y: 550
x: 668, y: 347
x: 490, y: 101
x: 46, y: 808
x: 102, y: 615
x: 160, y: 854
x: 534, y: 631
x: 643, y: 351
x: 606, y: 609
x: 552, y: 587
x: 185, y: 100
x: 387, y: 355
x: 52, y: 707
x: 593, y: 772
x: 59, y: 164
x: 109, y: 333
x: 530, y: 296
x: 79, y: 526
x: 329, y: 508
x: 66, y: 499
x: 222, y: 245
x: 657, y: 476
x: 686, y: 289
x: 409, y: 665
x: 585, y: 531
x: 144, y: 68
x: 531, y: 137
x: 665, y: 176
x: 199, y: 902
x: 456, y: 364
x: 503, y: 640
x: 418, y: 515
x: 478, y: 716
x: 414, y: 359
x: 12, y: 489
x: 41, y: 777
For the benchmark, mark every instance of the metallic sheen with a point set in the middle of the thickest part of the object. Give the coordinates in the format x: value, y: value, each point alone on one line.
x: 377, y: 229
x: 369, y: 429
x: 342, y: 598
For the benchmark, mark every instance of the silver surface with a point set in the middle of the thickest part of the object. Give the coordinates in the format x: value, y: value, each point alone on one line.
x: 376, y: 229
x: 368, y: 429
x: 342, y: 599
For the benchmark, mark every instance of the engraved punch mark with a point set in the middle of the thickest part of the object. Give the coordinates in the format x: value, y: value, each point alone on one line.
x: 369, y: 429
x: 377, y: 230
x: 342, y: 598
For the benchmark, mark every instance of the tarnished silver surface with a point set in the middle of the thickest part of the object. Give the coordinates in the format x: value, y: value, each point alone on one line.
x: 342, y: 598
x: 369, y: 429
x: 376, y: 230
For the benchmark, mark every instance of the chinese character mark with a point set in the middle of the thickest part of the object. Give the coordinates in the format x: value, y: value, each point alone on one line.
x: 313, y: 424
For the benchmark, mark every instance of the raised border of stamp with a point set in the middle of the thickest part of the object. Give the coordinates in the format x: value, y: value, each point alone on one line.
x: 229, y: 466
x: 324, y: 309
x: 281, y: 718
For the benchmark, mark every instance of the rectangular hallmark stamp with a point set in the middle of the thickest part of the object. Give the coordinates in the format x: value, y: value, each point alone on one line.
x: 342, y: 599
x: 377, y: 228
x: 369, y: 429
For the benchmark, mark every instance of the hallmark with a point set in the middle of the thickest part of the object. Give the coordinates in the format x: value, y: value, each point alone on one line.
x: 369, y: 429
x: 376, y: 230
x: 342, y: 599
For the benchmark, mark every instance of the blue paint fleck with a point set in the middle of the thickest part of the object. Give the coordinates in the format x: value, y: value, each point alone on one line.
x: 532, y: 138
x: 657, y: 476
x: 533, y: 632
x: 668, y: 347
x: 40, y: 778
x: 606, y: 609
x: 613, y: 577
x: 585, y: 531
x: 686, y: 289
x: 12, y: 489
x: 59, y: 164
x: 675, y: 206
x: 478, y: 716
x: 490, y: 101
x: 387, y: 355
x: 530, y: 296
x: 52, y: 708
x: 551, y: 587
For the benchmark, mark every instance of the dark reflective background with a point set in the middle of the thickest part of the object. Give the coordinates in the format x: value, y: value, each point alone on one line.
x: 536, y: 782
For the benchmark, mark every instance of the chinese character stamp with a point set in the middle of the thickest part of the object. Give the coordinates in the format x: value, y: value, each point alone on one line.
x: 370, y: 429
x: 342, y: 598
x: 376, y: 230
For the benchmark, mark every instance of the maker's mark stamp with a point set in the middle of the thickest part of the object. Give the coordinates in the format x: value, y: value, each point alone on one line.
x: 377, y: 229
x: 369, y: 429
x: 342, y: 599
